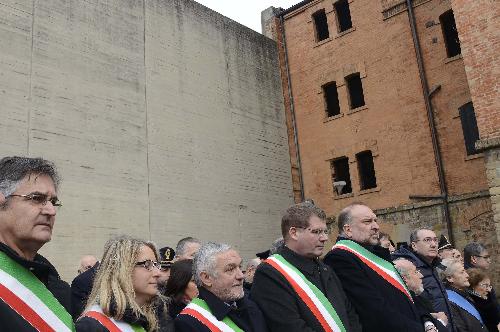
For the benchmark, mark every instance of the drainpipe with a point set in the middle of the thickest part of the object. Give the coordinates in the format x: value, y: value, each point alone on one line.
x: 430, y: 116
x: 292, y: 109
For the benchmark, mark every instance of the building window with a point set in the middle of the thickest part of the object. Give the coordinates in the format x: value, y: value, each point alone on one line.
x: 321, y: 25
x: 343, y: 15
x: 355, y: 88
x: 331, y: 99
x: 340, y: 172
x: 469, y: 127
x: 366, y: 170
x: 450, y: 34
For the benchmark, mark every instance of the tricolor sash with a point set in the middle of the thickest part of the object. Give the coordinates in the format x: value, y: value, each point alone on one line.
x: 199, y: 309
x: 379, y: 265
x: 110, y: 323
x: 462, y: 302
x: 21, y: 290
x: 314, y: 299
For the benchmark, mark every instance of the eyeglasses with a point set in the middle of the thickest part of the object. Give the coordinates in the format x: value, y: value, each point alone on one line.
x: 149, y: 264
x: 485, y: 257
x: 429, y: 240
x: 40, y: 198
x: 318, y: 232
x: 487, y: 286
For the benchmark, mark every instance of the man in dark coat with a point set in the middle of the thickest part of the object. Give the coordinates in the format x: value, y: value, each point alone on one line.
x: 368, y: 277
x: 221, y: 300
x: 423, y: 253
x: 305, y: 232
x: 81, y: 287
x: 32, y: 296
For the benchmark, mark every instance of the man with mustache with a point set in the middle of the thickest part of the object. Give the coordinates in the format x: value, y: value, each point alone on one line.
x: 32, y: 296
x: 423, y: 253
x: 221, y: 303
x: 296, y: 292
x: 370, y: 280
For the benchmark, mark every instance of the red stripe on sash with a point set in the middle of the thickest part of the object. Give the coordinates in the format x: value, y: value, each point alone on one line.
x: 24, y: 310
x: 303, y: 295
x: 201, y: 318
x: 104, y: 320
x: 374, y: 267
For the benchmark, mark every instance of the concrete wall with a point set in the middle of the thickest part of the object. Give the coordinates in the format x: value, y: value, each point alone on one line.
x: 164, y: 117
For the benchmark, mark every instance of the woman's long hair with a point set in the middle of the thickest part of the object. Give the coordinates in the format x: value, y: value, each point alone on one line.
x: 181, y: 273
x: 113, y: 290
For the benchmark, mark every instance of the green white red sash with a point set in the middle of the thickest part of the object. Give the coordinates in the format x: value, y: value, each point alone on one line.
x: 315, y: 300
x: 199, y: 309
x: 29, y: 298
x: 110, y: 323
x: 379, y: 265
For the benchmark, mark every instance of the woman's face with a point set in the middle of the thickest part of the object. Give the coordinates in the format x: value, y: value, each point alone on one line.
x: 483, y: 288
x: 460, y: 279
x: 145, y: 276
x: 191, y: 292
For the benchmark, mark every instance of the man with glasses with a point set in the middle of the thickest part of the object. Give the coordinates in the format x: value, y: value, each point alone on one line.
x: 371, y: 282
x: 32, y: 296
x: 296, y: 291
x: 423, y: 253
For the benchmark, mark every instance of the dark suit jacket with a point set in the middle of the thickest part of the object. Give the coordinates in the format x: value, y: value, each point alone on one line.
x: 284, y: 310
x: 247, y: 316
x: 80, y: 291
x: 380, y: 306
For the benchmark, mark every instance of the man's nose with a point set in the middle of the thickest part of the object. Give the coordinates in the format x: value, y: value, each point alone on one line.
x: 49, y: 209
x: 239, y: 274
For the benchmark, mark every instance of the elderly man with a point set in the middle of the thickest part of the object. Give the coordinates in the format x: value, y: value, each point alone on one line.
x: 295, y: 291
x: 186, y: 248
x: 423, y: 252
x: 371, y: 282
x: 413, y: 279
x: 250, y: 272
x: 32, y: 296
x: 221, y: 304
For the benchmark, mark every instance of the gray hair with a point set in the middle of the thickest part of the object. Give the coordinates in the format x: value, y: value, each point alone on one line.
x: 345, y: 217
x: 472, y: 249
x: 254, y: 262
x: 403, y: 271
x: 14, y: 169
x: 278, y: 243
x: 180, y: 249
x: 204, y: 260
x: 447, y: 268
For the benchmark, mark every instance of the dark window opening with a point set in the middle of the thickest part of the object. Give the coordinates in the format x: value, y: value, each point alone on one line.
x: 450, y: 34
x: 340, y: 172
x: 331, y: 99
x: 355, y: 88
x: 343, y: 15
x: 321, y: 25
x: 469, y: 127
x: 366, y: 170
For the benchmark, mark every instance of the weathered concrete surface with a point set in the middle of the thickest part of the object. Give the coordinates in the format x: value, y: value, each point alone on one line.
x: 164, y: 118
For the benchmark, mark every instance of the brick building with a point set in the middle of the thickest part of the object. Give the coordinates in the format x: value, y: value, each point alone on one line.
x: 379, y: 110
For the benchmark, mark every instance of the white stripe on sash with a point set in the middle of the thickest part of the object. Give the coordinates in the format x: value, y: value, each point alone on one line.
x: 302, y: 284
x: 124, y: 327
x: 210, y: 317
x: 31, y: 300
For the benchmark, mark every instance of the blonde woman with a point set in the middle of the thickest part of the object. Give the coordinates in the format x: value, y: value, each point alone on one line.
x: 124, y: 290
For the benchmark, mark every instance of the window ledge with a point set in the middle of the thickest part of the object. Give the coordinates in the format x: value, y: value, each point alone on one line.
x: 345, y: 32
x: 474, y: 156
x: 361, y: 108
x: 334, y: 117
x: 343, y: 196
x: 453, y: 58
x: 321, y: 42
x: 369, y: 191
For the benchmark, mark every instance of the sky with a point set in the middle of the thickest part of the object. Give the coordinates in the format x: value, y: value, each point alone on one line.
x: 246, y: 12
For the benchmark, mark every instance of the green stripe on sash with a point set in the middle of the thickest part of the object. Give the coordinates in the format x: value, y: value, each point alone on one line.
x: 228, y: 321
x: 137, y: 328
x: 28, y: 280
x: 319, y: 294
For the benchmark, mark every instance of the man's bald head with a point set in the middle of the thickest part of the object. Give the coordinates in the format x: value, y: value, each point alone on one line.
x: 86, y: 263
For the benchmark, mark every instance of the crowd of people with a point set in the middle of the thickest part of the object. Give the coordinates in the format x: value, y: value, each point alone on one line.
x: 364, y: 282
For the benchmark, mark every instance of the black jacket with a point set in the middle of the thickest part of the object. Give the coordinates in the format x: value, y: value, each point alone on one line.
x: 434, y: 290
x: 284, y: 310
x: 47, y: 274
x: 380, y: 306
x: 488, y: 309
x: 425, y: 308
x: 88, y: 324
x: 464, y: 321
x: 80, y: 290
x: 247, y: 316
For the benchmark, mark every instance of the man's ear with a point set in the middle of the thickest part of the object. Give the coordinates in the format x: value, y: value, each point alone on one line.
x: 292, y: 233
x: 2, y: 199
x: 473, y: 260
x: 206, y: 279
x: 347, y: 230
